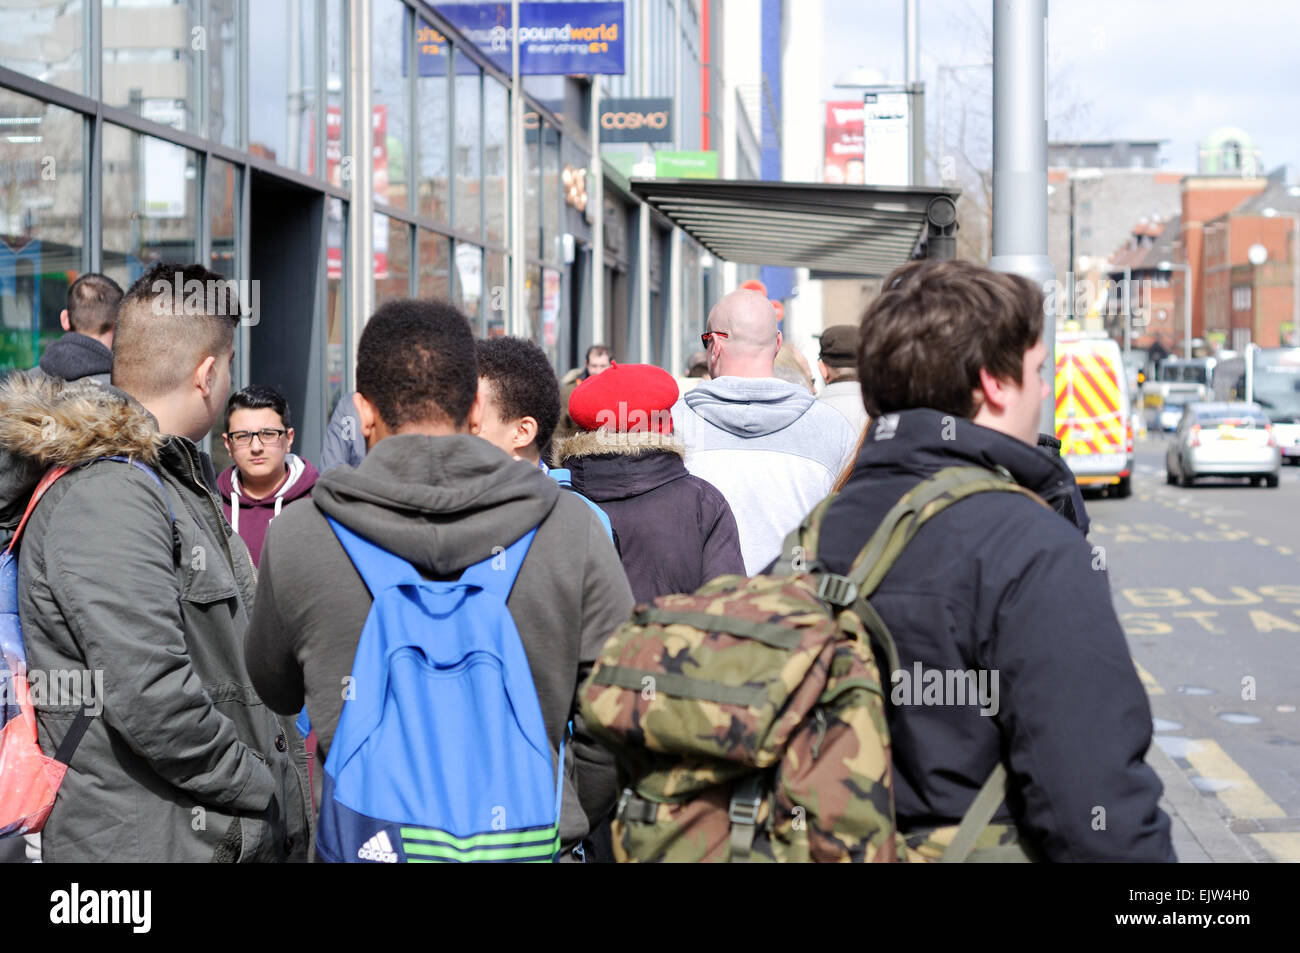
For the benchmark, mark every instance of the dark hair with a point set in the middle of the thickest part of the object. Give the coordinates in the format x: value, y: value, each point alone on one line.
x: 598, y: 349
x: 416, y: 363
x: 523, y: 383
x: 161, y: 335
x: 92, y: 303
x: 935, y: 325
x: 258, y: 397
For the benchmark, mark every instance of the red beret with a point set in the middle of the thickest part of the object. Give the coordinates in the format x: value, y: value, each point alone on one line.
x: 626, y: 398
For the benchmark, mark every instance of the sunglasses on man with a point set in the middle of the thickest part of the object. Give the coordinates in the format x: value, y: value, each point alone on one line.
x: 707, y: 338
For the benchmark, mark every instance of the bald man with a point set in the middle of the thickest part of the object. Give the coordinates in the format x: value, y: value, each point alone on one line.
x: 771, y: 448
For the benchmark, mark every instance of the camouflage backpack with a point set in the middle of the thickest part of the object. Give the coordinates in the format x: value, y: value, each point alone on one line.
x: 748, y: 718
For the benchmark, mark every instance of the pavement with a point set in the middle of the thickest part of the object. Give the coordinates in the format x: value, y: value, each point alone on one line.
x: 1200, y: 835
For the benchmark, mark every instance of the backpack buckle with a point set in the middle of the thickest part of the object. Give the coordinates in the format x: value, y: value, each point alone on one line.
x: 744, y: 809
x: 837, y: 590
x: 636, y: 809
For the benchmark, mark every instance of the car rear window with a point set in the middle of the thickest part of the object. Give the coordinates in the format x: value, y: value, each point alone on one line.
x: 1230, y: 419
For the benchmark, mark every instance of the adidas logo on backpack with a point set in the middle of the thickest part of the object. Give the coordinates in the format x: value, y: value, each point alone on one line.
x: 379, y: 848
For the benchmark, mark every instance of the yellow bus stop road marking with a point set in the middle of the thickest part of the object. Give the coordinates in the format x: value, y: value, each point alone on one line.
x: 1243, y: 798
x: 1148, y: 682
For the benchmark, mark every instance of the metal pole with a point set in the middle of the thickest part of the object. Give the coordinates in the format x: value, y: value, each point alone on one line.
x: 518, y: 297
x: 361, y: 219
x: 1128, y: 311
x: 1020, y: 155
x: 596, y: 208
x: 1295, y: 279
x: 911, y: 43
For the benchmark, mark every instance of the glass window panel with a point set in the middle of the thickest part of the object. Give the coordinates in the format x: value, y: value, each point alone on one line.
x: 43, y: 40
x: 496, y: 125
x: 40, y: 222
x: 390, y: 29
x: 432, y: 51
x: 223, y: 71
x: 533, y: 295
x: 336, y: 130
x: 469, y: 158
x: 549, y: 339
x: 150, y: 59
x: 149, y: 199
x: 282, y: 86
x: 468, y: 291
x: 496, y: 297
x: 223, y: 214
x: 392, y: 259
x: 434, y: 279
x: 550, y: 193
x: 532, y: 173
x: 335, y: 303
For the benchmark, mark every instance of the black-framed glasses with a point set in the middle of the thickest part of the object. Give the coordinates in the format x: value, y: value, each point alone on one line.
x: 707, y: 338
x: 242, y: 438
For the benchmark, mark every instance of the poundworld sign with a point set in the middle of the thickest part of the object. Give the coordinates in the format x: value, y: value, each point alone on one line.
x: 554, y: 38
x: 636, y: 120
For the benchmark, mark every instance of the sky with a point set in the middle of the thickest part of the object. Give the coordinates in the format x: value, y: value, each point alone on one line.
x: 1117, y: 69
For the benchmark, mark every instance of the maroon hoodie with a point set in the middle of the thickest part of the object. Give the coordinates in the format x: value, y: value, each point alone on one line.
x: 250, y: 518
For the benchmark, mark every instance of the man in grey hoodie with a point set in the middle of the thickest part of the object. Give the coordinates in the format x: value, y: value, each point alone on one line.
x: 441, y: 499
x: 771, y: 447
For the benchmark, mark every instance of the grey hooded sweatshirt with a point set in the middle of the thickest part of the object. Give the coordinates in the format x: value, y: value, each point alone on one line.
x: 773, y: 450
x: 443, y: 504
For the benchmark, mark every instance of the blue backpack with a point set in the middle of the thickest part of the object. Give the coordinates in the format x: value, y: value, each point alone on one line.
x: 441, y: 753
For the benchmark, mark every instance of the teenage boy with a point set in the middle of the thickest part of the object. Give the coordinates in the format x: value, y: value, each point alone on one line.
x: 999, y: 586
x: 265, y: 475
x: 442, y: 499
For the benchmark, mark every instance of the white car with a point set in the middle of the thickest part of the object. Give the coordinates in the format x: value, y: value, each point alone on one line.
x: 1223, y: 440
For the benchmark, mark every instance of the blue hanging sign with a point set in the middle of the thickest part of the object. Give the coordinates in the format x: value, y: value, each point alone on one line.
x: 556, y: 39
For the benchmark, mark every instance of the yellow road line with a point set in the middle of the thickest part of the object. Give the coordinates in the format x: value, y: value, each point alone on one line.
x: 1244, y: 798
x: 1284, y: 550
x: 1284, y: 848
x: 1148, y: 682
x: 1262, y: 541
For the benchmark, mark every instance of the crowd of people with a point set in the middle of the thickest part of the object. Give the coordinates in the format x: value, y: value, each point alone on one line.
x: 226, y: 611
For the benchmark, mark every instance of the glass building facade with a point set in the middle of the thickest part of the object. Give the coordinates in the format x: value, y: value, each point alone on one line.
x: 220, y: 131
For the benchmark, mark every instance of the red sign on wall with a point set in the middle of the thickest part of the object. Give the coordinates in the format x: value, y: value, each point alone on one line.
x: 844, y: 143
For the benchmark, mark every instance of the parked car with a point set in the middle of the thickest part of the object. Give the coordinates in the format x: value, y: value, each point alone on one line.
x: 1223, y: 440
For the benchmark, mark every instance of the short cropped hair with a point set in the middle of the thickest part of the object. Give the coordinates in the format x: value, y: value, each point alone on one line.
x: 599, y: 350
x: 171, y: 319
x: 935, y: 325
x: 92, y: 303
x: 416, y: 363
x: 523, y: 383
x: 259, y: 397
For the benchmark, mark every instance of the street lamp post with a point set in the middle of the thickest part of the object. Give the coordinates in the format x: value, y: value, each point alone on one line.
x: 1295, y: 263
x: 1187, y: 302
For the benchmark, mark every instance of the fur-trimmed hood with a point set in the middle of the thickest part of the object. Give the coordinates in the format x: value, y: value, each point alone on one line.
x: 606, y: 465
x: 45, y: 422
x: 593, y: 443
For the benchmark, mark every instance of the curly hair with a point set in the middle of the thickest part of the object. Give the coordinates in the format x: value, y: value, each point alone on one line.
x: 416, y: 363
x: 523, y: 383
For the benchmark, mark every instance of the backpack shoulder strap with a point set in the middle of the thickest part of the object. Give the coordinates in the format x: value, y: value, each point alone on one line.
x: 927, y: 499
x: 379, y: 569
x: 498, y: 572
x: 46, y: 482
x: 977, y: 817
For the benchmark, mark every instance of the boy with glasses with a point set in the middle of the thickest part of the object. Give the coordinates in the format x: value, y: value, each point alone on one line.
x: 265, y: 475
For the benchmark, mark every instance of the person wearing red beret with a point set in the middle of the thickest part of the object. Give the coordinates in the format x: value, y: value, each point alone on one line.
x: 675, y: 531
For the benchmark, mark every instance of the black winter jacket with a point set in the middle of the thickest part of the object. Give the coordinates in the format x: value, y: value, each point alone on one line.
x: 999, y: 584
x: 675, y: 531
